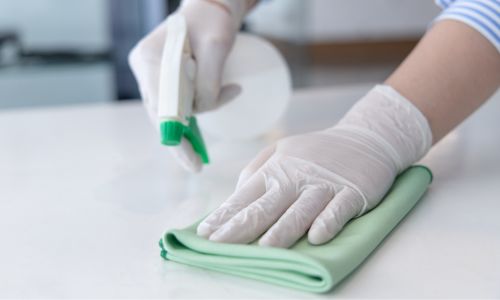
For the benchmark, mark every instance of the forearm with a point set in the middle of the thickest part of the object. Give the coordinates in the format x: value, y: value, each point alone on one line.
x: 451, y: 72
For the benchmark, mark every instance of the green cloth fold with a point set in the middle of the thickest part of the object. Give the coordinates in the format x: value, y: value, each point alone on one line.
x: 304, y: 266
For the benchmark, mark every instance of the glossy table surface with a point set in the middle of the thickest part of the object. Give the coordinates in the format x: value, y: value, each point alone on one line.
x: 87, y: 191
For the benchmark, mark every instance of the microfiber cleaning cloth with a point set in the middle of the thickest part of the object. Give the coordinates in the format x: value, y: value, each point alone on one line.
x: 303, y: 266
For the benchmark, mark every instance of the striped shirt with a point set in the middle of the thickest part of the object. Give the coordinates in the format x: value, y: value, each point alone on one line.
x: 482, y: 15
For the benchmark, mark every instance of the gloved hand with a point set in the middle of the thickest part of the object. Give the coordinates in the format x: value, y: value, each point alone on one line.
x: 212, y: 27
x: 321, y: 180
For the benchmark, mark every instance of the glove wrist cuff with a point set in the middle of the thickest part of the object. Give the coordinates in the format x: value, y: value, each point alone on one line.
x: 236, y: 9
x: 393, y: 123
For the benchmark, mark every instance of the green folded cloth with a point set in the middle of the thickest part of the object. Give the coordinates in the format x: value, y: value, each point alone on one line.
x: 303, y: 266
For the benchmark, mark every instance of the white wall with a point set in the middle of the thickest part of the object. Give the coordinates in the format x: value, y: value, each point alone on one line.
x: 39, y: 86
x: 52, y: 24
x: 67, y: 23
x: 342, y: 20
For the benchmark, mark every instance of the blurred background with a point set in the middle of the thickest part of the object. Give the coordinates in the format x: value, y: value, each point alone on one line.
x: 57, y: 52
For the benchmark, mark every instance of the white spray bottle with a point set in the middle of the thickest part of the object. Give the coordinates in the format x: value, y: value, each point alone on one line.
x: 257, y: 73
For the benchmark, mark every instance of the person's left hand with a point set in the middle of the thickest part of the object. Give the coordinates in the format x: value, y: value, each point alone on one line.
x: 212, y: 28
x: 321, y: 180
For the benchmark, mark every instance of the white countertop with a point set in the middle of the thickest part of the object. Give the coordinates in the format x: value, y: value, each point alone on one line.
x: 87, y: 191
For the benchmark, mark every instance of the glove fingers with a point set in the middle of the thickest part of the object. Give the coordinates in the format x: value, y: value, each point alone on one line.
x: 255, y: 165
x: 241, y: 198
x: 345, y: 205
x: 149, y: 92
x: 251, y: 222
x: 297, y: 219
x: 144, y: 60
x: 186, y: 156
x: 148, y: 78
x: 156, y: 39
x: 210, y: 56
x: 227, y: 93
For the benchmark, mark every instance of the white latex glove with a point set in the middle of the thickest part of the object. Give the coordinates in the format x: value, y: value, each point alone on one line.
x: 212, y: 27
x: 321, y: 180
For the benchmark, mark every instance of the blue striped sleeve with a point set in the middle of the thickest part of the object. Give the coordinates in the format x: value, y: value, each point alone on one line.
x: 482, y: 15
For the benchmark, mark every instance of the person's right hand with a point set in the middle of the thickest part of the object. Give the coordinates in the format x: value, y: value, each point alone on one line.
x: 316, y: 182
x: 212, y: 27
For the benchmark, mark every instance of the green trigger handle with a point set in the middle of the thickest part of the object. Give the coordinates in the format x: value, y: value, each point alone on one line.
x: 173, y: 131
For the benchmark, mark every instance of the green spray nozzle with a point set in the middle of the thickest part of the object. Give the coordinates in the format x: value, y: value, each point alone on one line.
x: 173, y: 131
